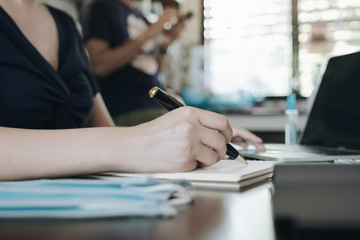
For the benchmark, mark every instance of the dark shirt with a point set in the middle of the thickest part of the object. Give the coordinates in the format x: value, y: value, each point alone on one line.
x: 127, y: 88
x: 32, y: 93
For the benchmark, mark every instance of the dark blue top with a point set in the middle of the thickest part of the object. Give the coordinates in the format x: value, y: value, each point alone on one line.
x: 126, y: 88
x: 32, y: 93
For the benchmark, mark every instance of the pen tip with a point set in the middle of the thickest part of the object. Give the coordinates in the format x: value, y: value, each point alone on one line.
x: 241, y: 159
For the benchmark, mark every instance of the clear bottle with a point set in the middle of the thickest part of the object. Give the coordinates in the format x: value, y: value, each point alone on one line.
x: 292, y: 115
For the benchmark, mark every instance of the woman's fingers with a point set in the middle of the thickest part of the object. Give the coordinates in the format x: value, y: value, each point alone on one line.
x: 213, y: 140
x: 244, y: 137
x: 216, y: 122
x: 206, y: 156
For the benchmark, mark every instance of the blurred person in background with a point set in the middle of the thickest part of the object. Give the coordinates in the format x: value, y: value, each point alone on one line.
x: 125, y: 55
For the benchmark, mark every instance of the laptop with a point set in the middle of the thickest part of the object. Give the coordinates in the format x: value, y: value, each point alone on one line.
x: 332, y: 129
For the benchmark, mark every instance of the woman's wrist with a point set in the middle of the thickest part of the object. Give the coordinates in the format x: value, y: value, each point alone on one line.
x: 121, y: 149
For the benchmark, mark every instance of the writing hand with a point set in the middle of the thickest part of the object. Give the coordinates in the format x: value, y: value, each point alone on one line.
x: 181, y: 140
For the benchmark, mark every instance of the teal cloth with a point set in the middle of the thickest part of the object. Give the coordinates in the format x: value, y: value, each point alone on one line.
x: 91, y: 198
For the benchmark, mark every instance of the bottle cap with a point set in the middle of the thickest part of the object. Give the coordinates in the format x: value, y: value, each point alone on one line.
x: 291, y: 102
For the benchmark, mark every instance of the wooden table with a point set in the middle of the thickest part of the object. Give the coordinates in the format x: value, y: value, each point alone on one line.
x: 214, y: 215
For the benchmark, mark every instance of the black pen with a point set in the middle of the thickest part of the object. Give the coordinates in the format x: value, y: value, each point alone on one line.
x: 170, y: 103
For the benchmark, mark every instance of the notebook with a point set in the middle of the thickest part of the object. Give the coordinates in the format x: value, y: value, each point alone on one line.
x: 332, y: 129
x: 225, y: 174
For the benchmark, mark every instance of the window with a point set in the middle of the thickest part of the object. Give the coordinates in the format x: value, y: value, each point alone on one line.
x: 250, y: 45
x: 326, y: 28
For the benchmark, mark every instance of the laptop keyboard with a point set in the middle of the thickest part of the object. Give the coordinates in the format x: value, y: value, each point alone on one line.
x: 330, y: 151
x: 347, y: 161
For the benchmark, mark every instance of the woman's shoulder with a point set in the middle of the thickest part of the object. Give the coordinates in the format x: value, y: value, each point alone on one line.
x: 61, y: 15
x: 63, y: 19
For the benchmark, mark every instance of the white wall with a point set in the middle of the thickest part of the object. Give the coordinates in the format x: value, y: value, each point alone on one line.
x: 192, y: 33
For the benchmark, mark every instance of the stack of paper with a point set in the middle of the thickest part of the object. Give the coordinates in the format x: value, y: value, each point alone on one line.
x: 226, y: 174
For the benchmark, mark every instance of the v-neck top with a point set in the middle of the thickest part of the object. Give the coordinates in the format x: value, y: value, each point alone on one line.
x: 32, y: 93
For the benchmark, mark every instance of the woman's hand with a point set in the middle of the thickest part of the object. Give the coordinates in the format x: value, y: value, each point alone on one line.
x: 243, y: 137
x: 180, y: 141
x: 158, y: 27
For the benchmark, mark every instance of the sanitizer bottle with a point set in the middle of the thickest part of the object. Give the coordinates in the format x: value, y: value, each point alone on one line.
x: 292, y: 115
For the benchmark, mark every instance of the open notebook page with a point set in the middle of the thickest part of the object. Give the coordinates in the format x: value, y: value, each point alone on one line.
x: 225, y: 171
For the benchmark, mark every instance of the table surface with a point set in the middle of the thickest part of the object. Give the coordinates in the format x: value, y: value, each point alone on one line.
x: 214, y: 215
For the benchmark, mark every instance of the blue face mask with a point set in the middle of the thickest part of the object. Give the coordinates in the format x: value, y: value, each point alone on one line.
x: 91, y: 198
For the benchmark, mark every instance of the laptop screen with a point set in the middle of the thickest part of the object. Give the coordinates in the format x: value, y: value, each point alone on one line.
x: 334, y: 119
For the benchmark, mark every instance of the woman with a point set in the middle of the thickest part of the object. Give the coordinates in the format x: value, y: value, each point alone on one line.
x: 123, y: 51
x: 49, y: 100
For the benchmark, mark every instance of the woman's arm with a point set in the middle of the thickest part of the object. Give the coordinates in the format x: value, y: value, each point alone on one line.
x: 104, y: 59
x: 29, y: 154
x: 177, y: 141
x: 100, y: 116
